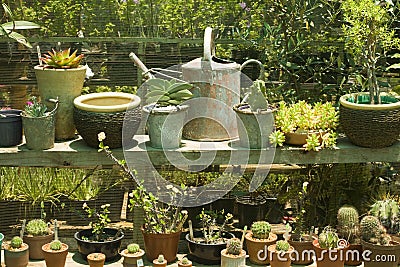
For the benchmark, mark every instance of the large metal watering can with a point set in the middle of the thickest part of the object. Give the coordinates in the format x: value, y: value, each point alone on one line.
x: 217, y: 89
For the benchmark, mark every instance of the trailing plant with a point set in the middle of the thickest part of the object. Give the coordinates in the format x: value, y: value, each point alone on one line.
x: 260, y: 229
x: 37, y: 227
x: 348, y: 224
x: 167, y: 93
x: 62, y: 59
x: 328, y: 238
x: 35, y: 108
x: 373, y: 231
x: 369, y: 35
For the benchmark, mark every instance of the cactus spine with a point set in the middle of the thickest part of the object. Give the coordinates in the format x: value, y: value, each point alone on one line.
x: 282, y: 245
x: 372, y: 231
x: 261, y: 229
x: 234, y: 246
x: 348, y: 224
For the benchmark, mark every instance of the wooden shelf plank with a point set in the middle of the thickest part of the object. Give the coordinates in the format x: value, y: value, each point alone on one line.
x: 76, y: 153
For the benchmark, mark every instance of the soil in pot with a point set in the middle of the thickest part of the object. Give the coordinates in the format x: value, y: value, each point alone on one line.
x: 109, y: 246
x: 204, y: 253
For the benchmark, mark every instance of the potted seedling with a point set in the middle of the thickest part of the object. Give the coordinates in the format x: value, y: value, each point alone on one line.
x: 37, y: 233
x: 369, y: 118
x: 166, y: 111
x: 184, y: 262
x: 55, y: 252
x: 99, y: 238
x: 257, y: 241
x: 254, y: 117
x: 280, y: 254
x: 132, y: 256
x: 61, y: 74
x: 160, y: 261
x: 375, y: 239
x: 234, y: 255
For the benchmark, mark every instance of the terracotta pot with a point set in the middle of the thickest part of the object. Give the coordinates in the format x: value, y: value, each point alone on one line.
x: 165, y: 244
x: 55, y: 258
x: 380, y: 252
x: 299, y: 139
x: 354, y: 259
x: 130, y: 260
x: 229, y: 260
x: 17, y: 258
x: 302, y: 249
x: 258, y: 248
x: 159, y: 264
x: 35, y: 245
x: 96, y: 259
x: 180, y: 264
x: 277, y: 259
x: 333, y: 258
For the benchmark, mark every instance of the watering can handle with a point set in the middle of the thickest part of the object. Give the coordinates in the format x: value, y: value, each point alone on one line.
x: 262, y: 69
x: 209, y: 46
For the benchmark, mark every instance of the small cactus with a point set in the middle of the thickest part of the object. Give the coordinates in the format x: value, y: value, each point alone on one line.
x: 16, y: 242
x: 328, y: 239
x: 369, y: 227
x: 348, y: 223
x: 234, y: 246
x: 55, y: 245
x: 261, y: 229
x: 37, y: 227
x: 282, y: 245
x: 133, y: 248
x: 160, y: 258
x: 185, y: 261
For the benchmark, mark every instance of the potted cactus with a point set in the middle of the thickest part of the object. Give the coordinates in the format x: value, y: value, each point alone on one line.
x: 184, y: 262
x: 132, y: 255
x: 16, y: 252
x: 165, y: 112
x: 280, y: 254
x: 55, y: 252
x: 234, y: 255
x: 160, y: 261
x: 329, y: 252
x: 348, y: 228
x: 258, y: 239
x: 61, y: 75
x: 255, y: 118
x: 96, y: 259
x: 375, y: 239
x: 37, y: 233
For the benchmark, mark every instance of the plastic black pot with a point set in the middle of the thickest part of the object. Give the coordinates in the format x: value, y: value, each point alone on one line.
x: 10, y: 127
x: 250, y: 209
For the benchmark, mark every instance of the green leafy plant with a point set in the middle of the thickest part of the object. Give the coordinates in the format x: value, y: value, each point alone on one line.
x: 62, y: 59
x: 260, y: 229
x: 37, y: 227
x: 369, y: 35
x: 212, y: 231
x: 318, y: 121
x: 99, y: 221
x: 328, y: 238
x: 167, y: 93
x: 35, y: 108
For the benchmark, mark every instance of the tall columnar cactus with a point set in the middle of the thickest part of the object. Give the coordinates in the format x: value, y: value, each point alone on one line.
x: 372, y: 231
x: 348, y: 224
x: 234, y: 246
x: 261, y: 229
x: 282, y: 245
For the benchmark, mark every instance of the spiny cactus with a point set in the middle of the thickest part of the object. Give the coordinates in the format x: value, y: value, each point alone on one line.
x: 55, y: 245
x: 348, y: 224
x: 234, y: 246
x: 282, y: 245
x: 37, y: 227
x: 261, y: 229
x: 16, y: 242
x: 372, y: 231
x: 160, y: 258
x: 185, y: 261
x: 387, y: 211
x: 328, y: 239
x: 133, y: 248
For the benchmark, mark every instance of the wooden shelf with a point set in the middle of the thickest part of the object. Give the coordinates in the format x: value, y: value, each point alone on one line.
x: 76, y: 153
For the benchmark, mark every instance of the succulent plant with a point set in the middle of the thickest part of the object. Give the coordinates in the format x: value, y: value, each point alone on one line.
x: 16, y: 242
x: 133, y: 248
x: 261, y: 229
x: 37, y: 227
x: 282, y: 245
x: 160, y: 258
x: 234, y: 246
x: 167, y: 93
x: 373, y: 231
x: 256, y: 96
x: 328, y: 238
x: 348, y: 223
x: 62, y: 59
x: 55, y: 245
x: 387, y: 211
x: 185, y: 261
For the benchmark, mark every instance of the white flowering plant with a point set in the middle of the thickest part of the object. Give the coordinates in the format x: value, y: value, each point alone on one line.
x: 99, y: 221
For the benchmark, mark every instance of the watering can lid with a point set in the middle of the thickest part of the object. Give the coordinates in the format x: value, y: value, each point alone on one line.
x: 209, y: 56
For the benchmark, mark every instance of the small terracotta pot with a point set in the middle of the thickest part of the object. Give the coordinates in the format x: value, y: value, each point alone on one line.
x: 180, y: 264
x: 96, y: 259
x: 334, y: 258
x: 130, y: 260
x: 159, y: 264
x: 277, y: 259
x: 299, y: 139
x: 55, y: 258
x: 302, y: 249
x: 258, y: 248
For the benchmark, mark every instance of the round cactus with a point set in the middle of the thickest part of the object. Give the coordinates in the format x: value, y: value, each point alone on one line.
x: 282, y: 245
x: 133, y: 248
x: 348, y: 223
x: 16, y: 242
x: 328, y: 239
x: 234, y: 246
x: 160, y: 258
x: 261, y: 229
x: 369, y: 227
x: 185, y: 261
x: 37, y: 227
x: 55, y: 245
